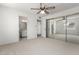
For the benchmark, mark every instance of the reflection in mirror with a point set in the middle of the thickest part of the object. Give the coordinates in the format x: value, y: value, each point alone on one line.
x: 73, y: 30
x: 56, y: 29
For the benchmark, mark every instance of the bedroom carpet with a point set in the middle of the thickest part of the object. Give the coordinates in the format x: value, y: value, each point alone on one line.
x: 40, y: 46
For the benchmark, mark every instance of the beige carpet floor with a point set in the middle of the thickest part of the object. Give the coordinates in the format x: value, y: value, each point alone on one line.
x: 40, y: 46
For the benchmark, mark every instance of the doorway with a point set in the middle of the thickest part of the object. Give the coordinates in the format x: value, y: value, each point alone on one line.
x: 38, y: 28
x: 22, y: 27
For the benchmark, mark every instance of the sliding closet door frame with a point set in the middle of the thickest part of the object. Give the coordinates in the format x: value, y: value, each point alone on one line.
x: 46, y: 28
x: 65, y: 18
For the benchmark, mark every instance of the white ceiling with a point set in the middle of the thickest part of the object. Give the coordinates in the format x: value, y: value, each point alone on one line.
x: 26, y: 6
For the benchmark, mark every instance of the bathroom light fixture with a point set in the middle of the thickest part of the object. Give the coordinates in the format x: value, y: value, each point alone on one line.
x: 24, y: 20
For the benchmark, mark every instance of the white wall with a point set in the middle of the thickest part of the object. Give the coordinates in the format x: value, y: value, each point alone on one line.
x: 43, y: 27
x: 9, y: 25
x: 63, y: 13
x: 32, y: 27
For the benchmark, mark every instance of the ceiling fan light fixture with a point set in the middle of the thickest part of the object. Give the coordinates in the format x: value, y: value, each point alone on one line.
x: 42, y: 12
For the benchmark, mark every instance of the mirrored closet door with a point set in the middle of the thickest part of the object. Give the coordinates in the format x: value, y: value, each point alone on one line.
x: 55, y: 28
x: 64, y: 28
x: 73, y: 28
x: 59, y: 28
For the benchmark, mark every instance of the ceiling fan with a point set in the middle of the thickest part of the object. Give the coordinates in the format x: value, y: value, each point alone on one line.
x: 43, y: 9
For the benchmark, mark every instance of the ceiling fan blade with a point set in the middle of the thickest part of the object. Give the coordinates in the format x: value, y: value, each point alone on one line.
x: 46, y: 12
x: 35, y: 8
x: 40, y: 5
x: 38, y: 12
x: 48, y: 8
